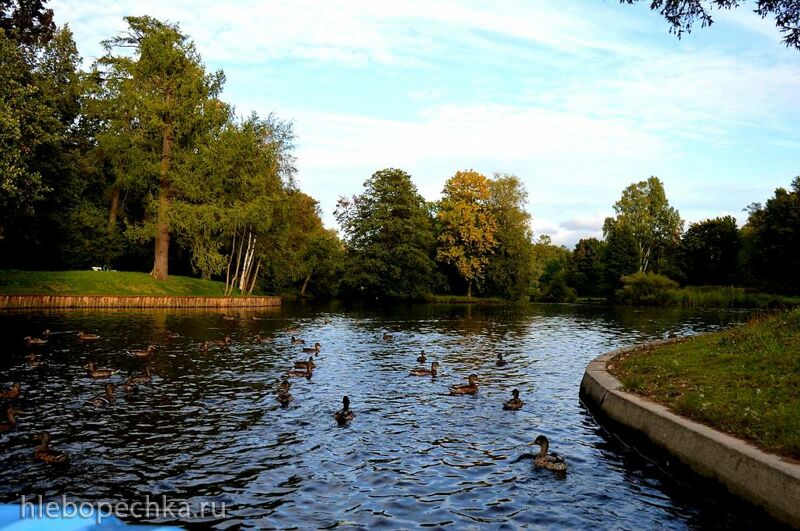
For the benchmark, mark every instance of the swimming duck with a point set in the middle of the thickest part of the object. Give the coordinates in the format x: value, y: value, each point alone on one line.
x: 104, y: 399
x: 46, y: 332
x: 130, y: 387
x: 145, y: 378
x: 264, y: 339
x: 34, y: 341
x: 426, y: 372
x: 304, y: 364
x: 94, y: 372
x: 228, y: 318
x: 290, y: 329
x: 11, y: 422
x: 284, y: 396
x: 315, y: 348
x: 500, y: 361
x: 327, y: 321
x: 307, y: 373
x: 421, y: 358
x: 48, y: 455
x: 169, y: 334
x: 387, y: 337
x: 297, y: 341
x: 549, y: 461
x: 83, y: 336
x: 515, y: 403
x: 345, y: 415
x: 470, y: 389
x: 12, y: 392
x: 146, y: 353
x: 32, y: 361
x: 216, y: 343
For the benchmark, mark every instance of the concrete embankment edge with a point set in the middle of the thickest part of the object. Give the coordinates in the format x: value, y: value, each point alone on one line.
x: 20, y: 302
x: 762, y: 479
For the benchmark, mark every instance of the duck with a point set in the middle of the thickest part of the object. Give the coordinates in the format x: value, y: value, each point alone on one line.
x: 145, y: 378
x: 32, y: 361
x: 46, y: 332
x: 290, y: 329
x: 130, y: 386
x: 297, y: 341
x: 304, y: 364
x: 145, y: 353
x: 388, y: 337
x: 421, y: 358
x: 169, y: 334
x: 315, y: 348
x: 515, y: 403
x: 552, y: 462
x: 94, y: 372
x: 104, y: 399
x: 346, y: 414
x: 11, y: 422
x: 83, y: 336
x: 426, y: 372
x: 228, y: 318
x: 470, y: 389
x: 284, y: 396
x: 263, y: 339
x: 48, y: 455
x: 12, y: 392
x: 307, y: 373
x: 500, y: 361
x: 216, y: 343
x: 34, y: 341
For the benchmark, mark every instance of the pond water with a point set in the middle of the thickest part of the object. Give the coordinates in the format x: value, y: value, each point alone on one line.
x: 209, y: 427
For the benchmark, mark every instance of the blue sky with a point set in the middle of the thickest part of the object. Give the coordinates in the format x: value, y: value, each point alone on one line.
x: 578, y: 98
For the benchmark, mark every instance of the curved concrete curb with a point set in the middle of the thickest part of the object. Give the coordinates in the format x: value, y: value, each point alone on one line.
x: 763, y: 479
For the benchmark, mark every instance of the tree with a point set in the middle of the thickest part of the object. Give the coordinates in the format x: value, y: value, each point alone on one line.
x: 160, y: 104
x: 389, y: 234
x: 644, y: 210
x: 682, y: 14
x: 510, y: 270
x: 709, y: 252
x: 620, y: 256
x: 773, y: 246
x: 323, y: 262
x: 27, y: 21
x: 586, y: 272
x: 549, y: 270
x: 467, y: 235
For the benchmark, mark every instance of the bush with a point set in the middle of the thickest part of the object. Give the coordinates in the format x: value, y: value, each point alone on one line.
x: 557, y: 290
x: 646, y: 289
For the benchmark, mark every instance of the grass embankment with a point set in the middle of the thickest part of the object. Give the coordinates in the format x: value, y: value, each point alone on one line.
x: 727, y: 297
x: 744, y: 381
x: 463, y: 299
x: 108, y: 283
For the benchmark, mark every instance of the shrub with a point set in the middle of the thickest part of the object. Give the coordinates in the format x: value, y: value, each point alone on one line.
x: 647, y: 289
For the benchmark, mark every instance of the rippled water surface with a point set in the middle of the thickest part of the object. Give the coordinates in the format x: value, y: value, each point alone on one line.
x: 209, y: 428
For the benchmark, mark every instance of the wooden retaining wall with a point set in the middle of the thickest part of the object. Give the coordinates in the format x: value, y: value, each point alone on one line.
x: 17, y: 302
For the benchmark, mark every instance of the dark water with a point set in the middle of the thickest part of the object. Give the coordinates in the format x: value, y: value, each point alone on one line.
x: 209, y: 428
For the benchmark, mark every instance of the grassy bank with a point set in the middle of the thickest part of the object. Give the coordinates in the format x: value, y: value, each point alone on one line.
x: 119, y: 283
x: 744, y: 381
x: 463, y: 299
x: 728, y: 297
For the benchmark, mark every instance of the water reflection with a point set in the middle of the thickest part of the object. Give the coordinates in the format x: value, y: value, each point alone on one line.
x: 209, y: 427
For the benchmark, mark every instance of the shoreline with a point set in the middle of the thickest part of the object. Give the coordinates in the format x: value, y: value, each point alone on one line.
x: 766, y: 480
x: 36, y: 302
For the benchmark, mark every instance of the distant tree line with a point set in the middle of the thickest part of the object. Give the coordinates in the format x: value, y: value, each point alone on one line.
x: 138, y: 164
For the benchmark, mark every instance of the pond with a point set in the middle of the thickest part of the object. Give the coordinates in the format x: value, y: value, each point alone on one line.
x: 208, y: 428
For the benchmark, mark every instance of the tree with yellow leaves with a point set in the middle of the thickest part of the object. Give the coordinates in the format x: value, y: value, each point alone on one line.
x: 466, y: 238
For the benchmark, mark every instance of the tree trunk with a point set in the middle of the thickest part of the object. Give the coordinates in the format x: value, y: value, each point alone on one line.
x: 255, y: 276
x: 112, y: 212
x: 230, y: 260
x: 305, y: 285
x: 161, y: 262
x: 469, y: 289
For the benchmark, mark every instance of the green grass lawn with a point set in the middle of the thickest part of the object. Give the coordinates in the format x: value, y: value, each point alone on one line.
x: 109, y: 283
x: 744, y: 381
x: 463, y: 299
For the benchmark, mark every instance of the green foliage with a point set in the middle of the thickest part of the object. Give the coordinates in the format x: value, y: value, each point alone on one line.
x: 390, y: 239
x: 620, y: 256
x: 586, y: 269
x: 772, y: 243
x: 646, y: 289
x: 743, y: 381
x: 510, y: 272
x: 27, y: 21
x: 549, y: 268
x: 644, y: 211
x: 709, y: 252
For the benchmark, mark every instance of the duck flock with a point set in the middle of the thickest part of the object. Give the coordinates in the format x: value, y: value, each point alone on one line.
x: 301, y: 369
